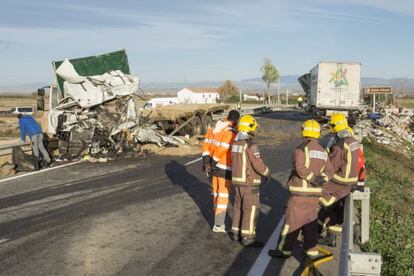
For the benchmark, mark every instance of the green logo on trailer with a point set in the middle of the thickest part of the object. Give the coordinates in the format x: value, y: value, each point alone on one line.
x: 339, y: 78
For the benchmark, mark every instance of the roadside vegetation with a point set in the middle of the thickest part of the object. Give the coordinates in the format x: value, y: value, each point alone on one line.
x: 390, y: 175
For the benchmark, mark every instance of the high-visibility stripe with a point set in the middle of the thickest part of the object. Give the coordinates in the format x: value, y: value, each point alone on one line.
x: 225, y: 145
x: 311, y: 129
x: 349, y: 160
x: 257, y: 181
x: 345, y: 180
x: 205, y: 153
x: 305, y: 189
x: 224, y: 195
x: 283, y: 236
x: 307, y: 161
x: 312, y: 253
x: 327, y: 202
x: 244, y: 162
x: 221, y: 206
x: 215, y: 158
x: 316, y: 154
x: 237, y: 148
x: 335, y: 228
x: 235, y: 228
x: 309, y: 177
x: 252, y: 217
x: 224, y: 167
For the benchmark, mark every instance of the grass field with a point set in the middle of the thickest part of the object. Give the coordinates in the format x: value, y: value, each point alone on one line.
x: 390, y: 175
x: 404, y: 102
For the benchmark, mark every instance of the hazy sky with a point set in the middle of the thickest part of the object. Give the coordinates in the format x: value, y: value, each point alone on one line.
x: 206, y: 40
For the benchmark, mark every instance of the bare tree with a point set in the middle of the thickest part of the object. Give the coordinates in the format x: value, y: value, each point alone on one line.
x: 228, y: 89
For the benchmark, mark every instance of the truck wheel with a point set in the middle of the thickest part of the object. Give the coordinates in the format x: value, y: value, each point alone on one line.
x: 196, y: 127
x: 207, y: 123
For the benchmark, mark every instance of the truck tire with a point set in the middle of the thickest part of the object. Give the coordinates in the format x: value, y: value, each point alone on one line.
x: 207, y: 123
x: 192, y: 128
x: 196, y: 126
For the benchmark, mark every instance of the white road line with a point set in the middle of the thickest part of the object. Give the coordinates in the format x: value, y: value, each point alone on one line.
x: 36, y: 172
x: 259, y: 267
x: 194, y: 161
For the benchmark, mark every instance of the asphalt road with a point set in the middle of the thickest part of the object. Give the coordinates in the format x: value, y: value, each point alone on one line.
x: 148, y: 216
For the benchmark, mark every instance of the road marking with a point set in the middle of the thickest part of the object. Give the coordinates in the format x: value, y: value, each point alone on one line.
x: 36, y: 172
x: 259, y: 267
x: 4, y: 240
x: 194, y: 161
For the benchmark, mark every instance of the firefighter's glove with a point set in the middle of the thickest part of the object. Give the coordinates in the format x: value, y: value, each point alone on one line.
x: 319, y: 181
x: 266, y: 179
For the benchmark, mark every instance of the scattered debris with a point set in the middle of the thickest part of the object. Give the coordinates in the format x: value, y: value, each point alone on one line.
x: 7, y: 169
x: 390, y: 126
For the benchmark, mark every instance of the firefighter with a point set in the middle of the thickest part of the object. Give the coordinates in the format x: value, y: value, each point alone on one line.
x: 311, y: 169
x: 344, y: 156
x: 247, y: 170
x: 216, y: 155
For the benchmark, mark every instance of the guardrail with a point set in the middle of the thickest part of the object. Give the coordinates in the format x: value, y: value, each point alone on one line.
x: 7, y: 149
x: 351, y: 261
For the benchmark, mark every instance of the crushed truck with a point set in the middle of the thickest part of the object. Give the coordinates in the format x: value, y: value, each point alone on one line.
x: 92, y: 110
x: 333, y: 87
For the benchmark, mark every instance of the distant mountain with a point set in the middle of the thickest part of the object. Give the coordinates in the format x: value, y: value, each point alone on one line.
x: 22, y: 88
x: 401, y: 86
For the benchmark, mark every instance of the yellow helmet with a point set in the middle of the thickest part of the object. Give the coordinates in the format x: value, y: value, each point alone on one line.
x: 311, y: 128
x: 338, y: 122
x: 247, y: 123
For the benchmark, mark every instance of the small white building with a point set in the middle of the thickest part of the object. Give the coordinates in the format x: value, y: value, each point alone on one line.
x: 198, y: 95
x: 252, y: 97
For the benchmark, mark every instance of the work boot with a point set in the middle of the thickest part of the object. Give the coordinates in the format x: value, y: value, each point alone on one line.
x: 329, y: 240
x: 219, y: 229
x: 235, y: 237
x: 277, y: 254
x: 249, y: 242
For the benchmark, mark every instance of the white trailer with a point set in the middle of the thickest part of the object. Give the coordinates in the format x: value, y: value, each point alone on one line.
x: 333, y: 86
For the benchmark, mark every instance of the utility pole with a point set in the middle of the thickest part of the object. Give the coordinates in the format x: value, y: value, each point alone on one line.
x: 287, y: 97
x: 278, y: 92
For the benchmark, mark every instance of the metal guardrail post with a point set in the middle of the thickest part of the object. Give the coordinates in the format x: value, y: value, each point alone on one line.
x: 347, y: 239
x: 364, y: 197
x: 351, y: 262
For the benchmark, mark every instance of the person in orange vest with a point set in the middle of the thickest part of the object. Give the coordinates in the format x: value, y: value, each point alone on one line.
x: 216, y: 155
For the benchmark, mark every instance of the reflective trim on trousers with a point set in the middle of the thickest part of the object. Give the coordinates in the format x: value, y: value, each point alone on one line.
x: 224, y: 195
x: 220, y: 206
x: 224, y: 167
x: 312, y: 253
x: 335, y: 228
x: 283, y: 236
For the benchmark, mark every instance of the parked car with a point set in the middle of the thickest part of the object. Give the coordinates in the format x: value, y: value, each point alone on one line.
x: 21, y: 110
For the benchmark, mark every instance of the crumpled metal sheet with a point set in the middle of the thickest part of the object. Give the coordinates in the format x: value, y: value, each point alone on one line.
x: 149, y: 135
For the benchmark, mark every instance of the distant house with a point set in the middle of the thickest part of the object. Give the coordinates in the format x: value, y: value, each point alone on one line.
x: 252, y: 97
x: 198, y: 95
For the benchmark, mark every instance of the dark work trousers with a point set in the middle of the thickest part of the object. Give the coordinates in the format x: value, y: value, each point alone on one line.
x: 246, y: 210
x: 301, y: 214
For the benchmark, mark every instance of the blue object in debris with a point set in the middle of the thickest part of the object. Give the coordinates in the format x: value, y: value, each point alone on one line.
x: 374, y: 116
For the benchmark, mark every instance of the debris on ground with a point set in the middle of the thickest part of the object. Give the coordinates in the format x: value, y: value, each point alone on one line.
x: 7, y: 169
x: 390, y: 126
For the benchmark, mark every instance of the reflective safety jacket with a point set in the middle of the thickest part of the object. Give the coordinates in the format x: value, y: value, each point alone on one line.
x: 344, y: 158
x: 247, y: 164
x: 217, y: 145
x: 309, y: 161
x: 207, y: 146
